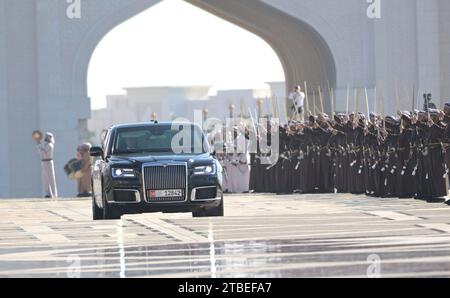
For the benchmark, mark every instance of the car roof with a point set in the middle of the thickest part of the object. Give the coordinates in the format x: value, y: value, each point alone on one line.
x: 151, y: 123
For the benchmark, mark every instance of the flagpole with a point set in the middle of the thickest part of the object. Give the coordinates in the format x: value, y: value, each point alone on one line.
x: 314, y: 102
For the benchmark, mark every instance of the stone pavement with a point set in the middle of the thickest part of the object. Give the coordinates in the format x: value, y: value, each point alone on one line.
x: 260, y: 236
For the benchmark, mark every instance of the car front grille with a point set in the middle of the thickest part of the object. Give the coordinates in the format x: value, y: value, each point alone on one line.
x: 165, y: 177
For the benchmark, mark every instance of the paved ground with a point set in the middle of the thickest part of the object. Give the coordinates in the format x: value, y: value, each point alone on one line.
x: 261, y: 236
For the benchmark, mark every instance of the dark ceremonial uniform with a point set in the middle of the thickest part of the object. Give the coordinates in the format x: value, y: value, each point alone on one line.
x: 261, y: 173
x: 391, y: 161
x: 298, y: 149
x: 313, y: 157
x: 278, y: 167
x: 358, y: 164
x: 269, y: 170
x: 378, y: 160
x: 284, y: 168
x: 340, y: 157
x: 437, y: 176
x: 262, y: 184
x: 446, y: 139
x: 332, y: 145
x: 432, y: 178
x: 308, y: 164
x: 422, y: 160
x: 365, y: 163
x: 372, y: 176
x: 383, y: 163
x: 253, y: 149
x: 407, y: 159
x: 325, y: 179
x: 291, y: 163
x: 254, y: 172
x: 350, y: 135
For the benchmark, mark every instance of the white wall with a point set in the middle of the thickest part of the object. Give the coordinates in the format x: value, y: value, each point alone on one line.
x: 22, y: 97
x: 4, y: 119
x: 444, y: 47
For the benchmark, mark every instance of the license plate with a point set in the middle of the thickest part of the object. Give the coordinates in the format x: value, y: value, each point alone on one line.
x: 166, y: 193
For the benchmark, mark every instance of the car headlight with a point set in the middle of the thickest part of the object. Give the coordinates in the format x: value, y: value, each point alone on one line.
x: 123, y: 173
x: 202, y: 170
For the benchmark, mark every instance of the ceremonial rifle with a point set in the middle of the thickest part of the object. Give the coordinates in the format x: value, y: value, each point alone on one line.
x: 367, y: 104
x: 348, y: 99
x: 321, y: 99
x: 314, y: 102
x: 306, y: 99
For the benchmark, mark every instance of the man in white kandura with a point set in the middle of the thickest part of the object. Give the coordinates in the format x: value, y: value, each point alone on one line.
x: 238, y: 168
x: 46, y: 151
x: 298, y: 99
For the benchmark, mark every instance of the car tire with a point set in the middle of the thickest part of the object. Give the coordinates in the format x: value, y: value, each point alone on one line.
x: 97, y: 212
x: 109, y: 212
x: 199, y: 213
x: 210, y: 212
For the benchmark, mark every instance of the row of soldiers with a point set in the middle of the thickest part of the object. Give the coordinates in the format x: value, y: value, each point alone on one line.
x: 403, y: 156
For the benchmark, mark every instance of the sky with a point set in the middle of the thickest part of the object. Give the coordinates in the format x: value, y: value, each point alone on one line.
x: 176, y: 44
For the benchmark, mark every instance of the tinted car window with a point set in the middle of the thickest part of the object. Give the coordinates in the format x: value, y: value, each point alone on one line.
x: 174, y: 139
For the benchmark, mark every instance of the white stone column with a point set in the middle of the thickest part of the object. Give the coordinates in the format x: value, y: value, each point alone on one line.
x: 22, y: 98
x: 60, y: 112
x: 396, y: 54
x: 4, y: 125
x: 428, y: 62
x: 52, y: 105
x: 444, y: 46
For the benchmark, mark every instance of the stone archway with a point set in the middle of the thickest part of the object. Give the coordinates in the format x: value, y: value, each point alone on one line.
x: 47, y: 59
x: 303, y: 52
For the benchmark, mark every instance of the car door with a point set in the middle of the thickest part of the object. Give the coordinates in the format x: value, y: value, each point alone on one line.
x: 97, y: 170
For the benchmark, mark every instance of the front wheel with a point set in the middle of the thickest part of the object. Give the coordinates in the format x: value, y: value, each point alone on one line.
x: 210, y: 212
x: 109, y: 212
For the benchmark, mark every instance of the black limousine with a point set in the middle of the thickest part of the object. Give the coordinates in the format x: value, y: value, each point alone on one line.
x: 155, y: 167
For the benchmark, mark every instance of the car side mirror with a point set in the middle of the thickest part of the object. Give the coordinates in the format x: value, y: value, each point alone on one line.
x: 96, y: 151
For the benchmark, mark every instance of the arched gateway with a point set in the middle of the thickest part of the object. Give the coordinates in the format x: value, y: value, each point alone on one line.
x: 60, y: 58
x: 45, y: 54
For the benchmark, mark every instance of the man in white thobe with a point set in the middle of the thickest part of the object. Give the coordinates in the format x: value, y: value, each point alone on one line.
x: 238, y: 168
x: 46, y: 151
x: 298, y: 100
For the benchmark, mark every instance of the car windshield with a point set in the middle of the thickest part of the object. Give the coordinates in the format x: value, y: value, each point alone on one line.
x: 171, y: 139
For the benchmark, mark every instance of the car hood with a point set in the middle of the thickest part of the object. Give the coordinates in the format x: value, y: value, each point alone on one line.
x: 163, y: 158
